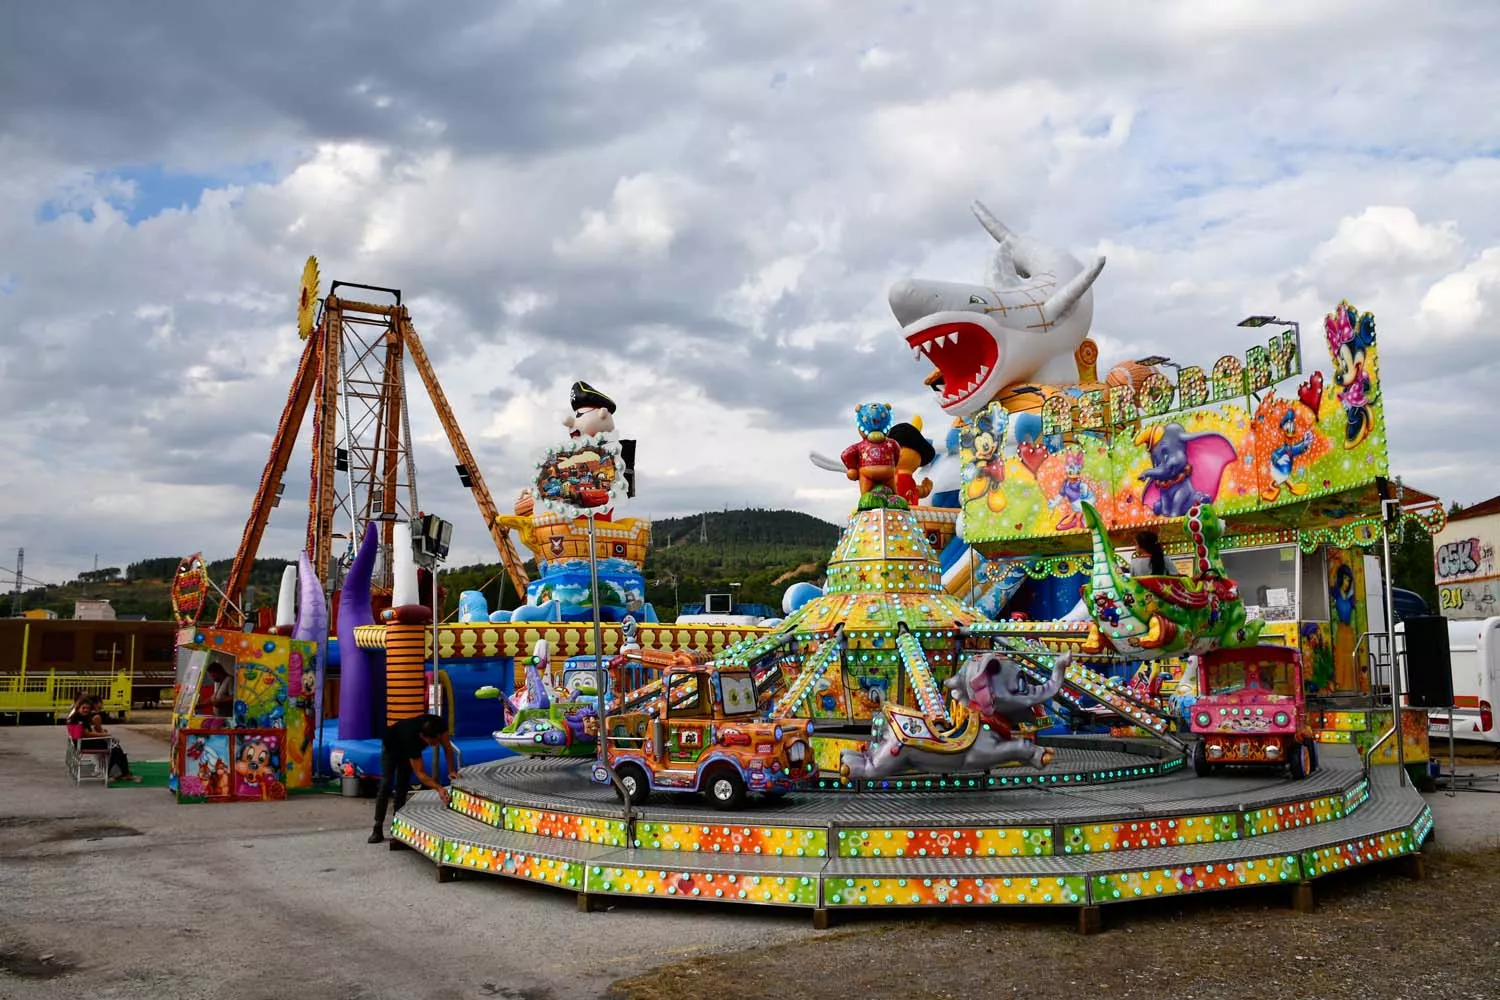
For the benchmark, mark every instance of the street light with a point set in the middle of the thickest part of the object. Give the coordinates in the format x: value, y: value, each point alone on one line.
x: 1255, y: 322
x: 673, y: 577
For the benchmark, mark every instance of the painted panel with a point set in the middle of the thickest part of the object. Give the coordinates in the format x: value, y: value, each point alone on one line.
x: 941, y: 842
x: 771, y: 841
x: 1124, y: 886
x: 1296, y: 443
x: 786, y: 890
x: 991, y: 891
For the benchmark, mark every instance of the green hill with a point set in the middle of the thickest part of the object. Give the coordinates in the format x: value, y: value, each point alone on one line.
x: 143, y: 589
x: 761, y: 550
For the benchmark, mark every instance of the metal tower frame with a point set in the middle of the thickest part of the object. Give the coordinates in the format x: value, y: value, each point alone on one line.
x: 352, y: 377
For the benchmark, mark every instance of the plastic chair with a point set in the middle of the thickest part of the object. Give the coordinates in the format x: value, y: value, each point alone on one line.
x: 88, y: 756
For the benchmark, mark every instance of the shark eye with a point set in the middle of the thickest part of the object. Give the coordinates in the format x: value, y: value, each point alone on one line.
x: 977, y: 300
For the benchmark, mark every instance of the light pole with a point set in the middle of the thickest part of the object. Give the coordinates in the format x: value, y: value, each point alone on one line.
x: 1390, y: 513
x: 430, y: 538
x: 1255, y: 322
x: 673, y: 578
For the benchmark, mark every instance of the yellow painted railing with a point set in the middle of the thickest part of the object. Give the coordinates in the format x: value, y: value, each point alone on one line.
x: 51, y: 692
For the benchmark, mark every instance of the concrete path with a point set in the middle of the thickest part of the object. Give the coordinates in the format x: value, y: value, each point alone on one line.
x: 122, y: 893
x: 143, y: 898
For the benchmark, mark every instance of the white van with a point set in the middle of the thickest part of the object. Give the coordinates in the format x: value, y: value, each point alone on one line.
x: 1474, y: 646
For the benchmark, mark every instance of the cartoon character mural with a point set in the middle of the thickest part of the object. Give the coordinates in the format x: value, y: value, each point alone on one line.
x: 276, y: 693
x: 1074, y: 492
x: 1151, y: 449
x: 1186, y: 468
x: 981, y: 440
x: 1347, y: 617
x: 1316, y: 652
x: 257, y: 768
x: 1286, y: 445
x: 1351, y: 334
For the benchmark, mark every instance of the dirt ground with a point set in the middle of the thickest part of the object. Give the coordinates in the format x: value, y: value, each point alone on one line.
x: 121, y: 894
x: 1376, y: 934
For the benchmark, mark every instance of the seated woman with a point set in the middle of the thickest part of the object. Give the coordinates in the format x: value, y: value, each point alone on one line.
x: 86, y: 719
x: 79, y: 716
x: 1150, y: 559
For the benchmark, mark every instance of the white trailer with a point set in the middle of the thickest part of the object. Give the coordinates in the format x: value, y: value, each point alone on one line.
x: 1474, y: 646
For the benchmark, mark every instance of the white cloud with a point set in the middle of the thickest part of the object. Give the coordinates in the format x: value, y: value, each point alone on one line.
x: 701, y: 214
x: 643, y: 218
x: 1467, y: 302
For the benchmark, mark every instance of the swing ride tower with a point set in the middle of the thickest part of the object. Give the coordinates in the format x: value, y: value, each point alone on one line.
x: 352, y: 378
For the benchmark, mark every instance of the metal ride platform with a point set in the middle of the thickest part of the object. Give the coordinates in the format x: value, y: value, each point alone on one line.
x: 1060, y: 845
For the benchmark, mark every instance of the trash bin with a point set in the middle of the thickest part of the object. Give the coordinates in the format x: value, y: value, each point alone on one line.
x: 352, y: 788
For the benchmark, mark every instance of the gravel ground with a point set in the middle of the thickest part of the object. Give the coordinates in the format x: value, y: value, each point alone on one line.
x: 1376, y: 935
x: 124, y: 895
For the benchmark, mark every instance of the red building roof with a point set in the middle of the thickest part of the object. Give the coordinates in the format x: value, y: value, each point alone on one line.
x: 1490, y: 506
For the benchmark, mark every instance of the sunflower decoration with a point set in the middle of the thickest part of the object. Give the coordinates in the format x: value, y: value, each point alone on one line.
x: 307, y: 301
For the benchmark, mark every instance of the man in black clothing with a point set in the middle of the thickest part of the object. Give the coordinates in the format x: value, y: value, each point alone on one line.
x: 401, y: 757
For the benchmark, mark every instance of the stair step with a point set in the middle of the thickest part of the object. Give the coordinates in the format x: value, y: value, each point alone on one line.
x: 1394, y: 822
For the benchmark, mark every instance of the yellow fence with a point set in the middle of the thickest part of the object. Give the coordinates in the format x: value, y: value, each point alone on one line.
x: 52, y: 693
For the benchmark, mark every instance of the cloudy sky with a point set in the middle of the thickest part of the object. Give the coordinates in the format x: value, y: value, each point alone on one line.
x: 697, y: 207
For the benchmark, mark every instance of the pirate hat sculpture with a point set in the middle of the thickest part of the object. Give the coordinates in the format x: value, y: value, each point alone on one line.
x: 585, y: 396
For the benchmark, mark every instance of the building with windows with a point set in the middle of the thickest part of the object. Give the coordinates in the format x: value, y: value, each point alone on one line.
x: 44, y: 663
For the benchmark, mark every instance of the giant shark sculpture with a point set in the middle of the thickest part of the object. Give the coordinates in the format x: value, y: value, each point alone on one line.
x: 1023, y: 326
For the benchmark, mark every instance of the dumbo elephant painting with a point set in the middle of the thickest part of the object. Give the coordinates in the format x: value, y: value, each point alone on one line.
x: 1023, y: 326
x: 994, y: 696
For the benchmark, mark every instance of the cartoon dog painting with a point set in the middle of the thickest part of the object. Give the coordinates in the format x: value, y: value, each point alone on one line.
x: 255, y: 770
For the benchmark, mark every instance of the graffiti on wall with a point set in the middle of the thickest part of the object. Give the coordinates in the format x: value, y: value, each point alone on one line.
x: 1464, y: 559
x: 1470, y: 599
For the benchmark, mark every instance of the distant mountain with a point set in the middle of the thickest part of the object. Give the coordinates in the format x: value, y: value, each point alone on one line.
x: 752, y: 526
x: 762, y: 551
x: 753, y: 554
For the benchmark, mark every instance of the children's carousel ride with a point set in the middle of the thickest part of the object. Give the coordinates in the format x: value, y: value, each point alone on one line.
x: 930, y: 785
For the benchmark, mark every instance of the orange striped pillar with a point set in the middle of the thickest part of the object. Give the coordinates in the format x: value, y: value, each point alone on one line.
x: 406, y: 634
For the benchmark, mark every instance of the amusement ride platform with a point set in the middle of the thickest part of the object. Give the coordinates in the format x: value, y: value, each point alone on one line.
x: 1071, y: 842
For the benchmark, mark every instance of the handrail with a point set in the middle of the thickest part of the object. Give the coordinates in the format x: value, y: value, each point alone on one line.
x: 1369, y: 754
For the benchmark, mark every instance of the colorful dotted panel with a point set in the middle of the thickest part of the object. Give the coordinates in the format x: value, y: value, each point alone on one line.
x: 429, y: 844
x: 787, y: 890
x: 1124, y: 886
x: 492, y: 640
x: 566, y: 874
x: 771, y: 841
x: 565, y: 826
x: 1345, y: 722
x: 883, y: 550
x: 939, y: 842
x: 474, y: 807
x: 1357, y: 796
x: 1092, y: 838
x: 955, y: 891
x: 1293, y: 815
x: 1358, y: 852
